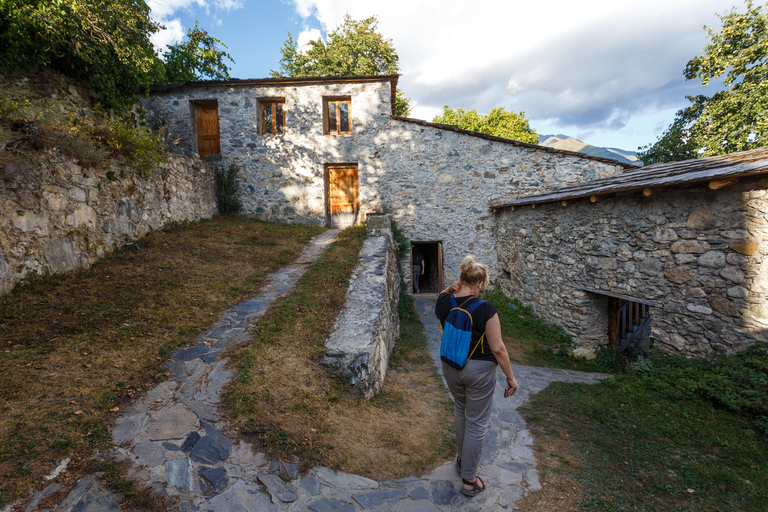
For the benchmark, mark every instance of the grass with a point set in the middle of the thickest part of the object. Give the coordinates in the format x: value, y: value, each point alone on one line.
x: 76, y: 348
x: 284, y: 400
x: 672, y: 434
x: 532, y: 341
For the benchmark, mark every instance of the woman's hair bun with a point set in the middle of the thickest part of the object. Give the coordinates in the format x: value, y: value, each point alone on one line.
x: 473, y: 272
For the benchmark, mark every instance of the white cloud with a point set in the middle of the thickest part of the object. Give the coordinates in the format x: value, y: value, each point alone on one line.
x: 171, y: 34
x: 596, y: 65
x: 307, y: 35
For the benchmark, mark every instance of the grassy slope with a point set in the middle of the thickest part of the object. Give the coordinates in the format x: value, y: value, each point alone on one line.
x: 286, y: 401
x: 74, y: 347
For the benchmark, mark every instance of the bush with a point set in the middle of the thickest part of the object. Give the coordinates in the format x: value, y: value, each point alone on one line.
x: 226, y: 190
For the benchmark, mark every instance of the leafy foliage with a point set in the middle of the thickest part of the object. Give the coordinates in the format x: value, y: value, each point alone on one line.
x: 509, y: 125
x: 735, y: 119
x: 196, y: 58
x: 354, y: 48
x: 401, y: 241
x: 226, y: 190
x: 104, y: 43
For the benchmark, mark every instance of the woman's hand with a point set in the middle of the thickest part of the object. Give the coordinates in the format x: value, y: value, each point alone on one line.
x: 451, y: 290
x: 511, y: 387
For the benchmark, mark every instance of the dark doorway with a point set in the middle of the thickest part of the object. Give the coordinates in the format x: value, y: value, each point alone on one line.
x: 432, y: 280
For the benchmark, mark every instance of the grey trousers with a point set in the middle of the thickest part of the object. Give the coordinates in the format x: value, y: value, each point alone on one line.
x: 472, y: 389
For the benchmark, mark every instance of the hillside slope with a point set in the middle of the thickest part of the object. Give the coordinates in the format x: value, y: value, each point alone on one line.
x: 571, y: 144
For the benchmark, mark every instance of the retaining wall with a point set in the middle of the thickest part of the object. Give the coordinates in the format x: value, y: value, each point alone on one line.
x: 368, y: 326
x: 56, y: 216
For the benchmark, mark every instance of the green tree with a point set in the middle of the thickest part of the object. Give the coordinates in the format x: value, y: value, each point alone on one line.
x: 736, y: 118
x: 354, y: 48
x: 197, y: 58
x: 104, y: 43
x: 509, y: 125
x: 678, y: 142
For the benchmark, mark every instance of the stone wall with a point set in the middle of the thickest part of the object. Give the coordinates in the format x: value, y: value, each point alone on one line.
x: 700, y: 255
x: 436, y: 183
x: 56, y: 216
x: 368, y: 326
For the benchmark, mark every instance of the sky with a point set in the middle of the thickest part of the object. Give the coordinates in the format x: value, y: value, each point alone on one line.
x: 607, y: 72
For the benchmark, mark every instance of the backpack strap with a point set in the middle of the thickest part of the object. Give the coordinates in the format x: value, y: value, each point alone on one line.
x: 470, y: 309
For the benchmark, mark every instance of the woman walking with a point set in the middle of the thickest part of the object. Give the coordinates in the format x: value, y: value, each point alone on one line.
x: 472, y: 386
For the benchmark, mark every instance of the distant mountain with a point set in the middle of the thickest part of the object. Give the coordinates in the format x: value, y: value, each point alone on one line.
x: 570, y: 144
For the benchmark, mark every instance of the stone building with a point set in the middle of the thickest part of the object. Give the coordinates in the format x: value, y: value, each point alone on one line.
x: 330, y: 151
x: 679, y: 248
x: 681, y: 265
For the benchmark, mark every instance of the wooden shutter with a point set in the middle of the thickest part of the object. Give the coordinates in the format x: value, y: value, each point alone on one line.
x: 208, y: 142
x: 343, y: 194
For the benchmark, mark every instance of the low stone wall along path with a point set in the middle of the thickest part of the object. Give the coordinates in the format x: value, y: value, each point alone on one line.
x: 174, y: 440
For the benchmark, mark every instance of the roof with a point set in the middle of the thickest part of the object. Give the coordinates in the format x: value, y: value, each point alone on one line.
x: 674, y: 174
x: 456, y: 129
x: 303, y: 80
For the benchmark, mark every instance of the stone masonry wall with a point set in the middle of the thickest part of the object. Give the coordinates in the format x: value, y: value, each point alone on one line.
x: 435, y: 183
x: 368, y: 326
x: 56, y: 216
x: 700, y: 255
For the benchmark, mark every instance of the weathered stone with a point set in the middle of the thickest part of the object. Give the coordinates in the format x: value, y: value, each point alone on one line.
x: 759, y: 313
x: 126, y: 428
x: 702, y: 219
x: 733, y: 274
x: 372, y: 499
x: 344, y: 480
x: 311, y: 484
x: 213, y: 447
x: 737, y: 292
x: 696, y: 308
x: 712, y: 259
x: 215, y: 479
x: 62, y: 255
x: 723, y: 306
x: 172, y: 422
x: 178, y: 473
x: 689, y: 247
x: 240, y: 497
x: 679, y: 275
x: 443, y: 492
x: 190, y: 442
x: 415, y: 506
x: 149, y: 454
x: 89, y: 496
x: 664, y: 235
x: 419, y: 493
x: 747, y: 247
x: 282, y: 491
x: 331, y: 505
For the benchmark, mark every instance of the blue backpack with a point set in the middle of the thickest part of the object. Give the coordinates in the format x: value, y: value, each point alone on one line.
x: 457, y: 335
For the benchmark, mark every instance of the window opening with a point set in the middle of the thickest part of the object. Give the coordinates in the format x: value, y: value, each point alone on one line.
x: 338, y: 116
x: 272, y: 117
x: 432, y: 279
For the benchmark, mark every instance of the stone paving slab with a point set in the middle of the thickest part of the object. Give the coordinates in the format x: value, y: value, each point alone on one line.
x: 178, y: 445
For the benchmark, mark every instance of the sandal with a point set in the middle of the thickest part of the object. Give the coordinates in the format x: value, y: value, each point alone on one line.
x: 478, y: 486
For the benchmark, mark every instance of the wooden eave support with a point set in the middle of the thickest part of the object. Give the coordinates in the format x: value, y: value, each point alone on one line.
x: 647, y: 191
x: 716, y: 184
x: 564, y: 203
x: 592, y: 199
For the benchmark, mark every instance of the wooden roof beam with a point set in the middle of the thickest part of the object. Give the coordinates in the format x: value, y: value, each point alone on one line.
x: 716, y: 184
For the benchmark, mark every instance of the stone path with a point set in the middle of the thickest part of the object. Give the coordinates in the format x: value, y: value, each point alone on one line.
x: 174, y: 440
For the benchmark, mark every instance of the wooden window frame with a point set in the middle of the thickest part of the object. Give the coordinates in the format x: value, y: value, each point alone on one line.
x: 327, y: 129
x: 272, y: 102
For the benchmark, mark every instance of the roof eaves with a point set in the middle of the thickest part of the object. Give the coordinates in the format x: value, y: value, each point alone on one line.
x: 450, y: 127
x: 306, y: 80
x: 689, y: 172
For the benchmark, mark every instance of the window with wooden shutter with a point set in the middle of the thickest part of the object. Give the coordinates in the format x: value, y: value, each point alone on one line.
x: 337, y: 115
x: 272, y: 116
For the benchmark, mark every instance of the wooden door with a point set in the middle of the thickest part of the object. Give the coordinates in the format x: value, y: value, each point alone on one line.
x: 342, y: 195
x: 208, y: 143
x: 440, y: 266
